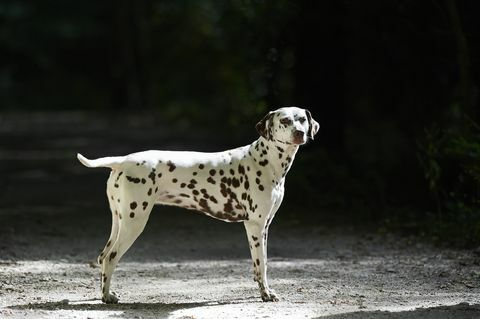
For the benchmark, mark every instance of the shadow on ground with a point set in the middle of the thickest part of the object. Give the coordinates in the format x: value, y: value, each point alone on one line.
x: 124, y: 310
x: 127, y: 310
x: 163, y: 310
x: 462, y: 310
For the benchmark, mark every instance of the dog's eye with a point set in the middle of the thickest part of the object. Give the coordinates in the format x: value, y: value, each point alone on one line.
x: 302, y: 120
x: 286, y: 121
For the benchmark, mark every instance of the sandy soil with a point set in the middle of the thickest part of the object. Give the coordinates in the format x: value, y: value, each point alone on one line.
x: 54, y: 221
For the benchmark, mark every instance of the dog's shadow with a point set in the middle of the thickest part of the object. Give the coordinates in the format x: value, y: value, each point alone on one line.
x: 158, y: 309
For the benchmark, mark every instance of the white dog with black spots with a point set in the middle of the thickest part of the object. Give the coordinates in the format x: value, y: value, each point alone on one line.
x: 245, y: 184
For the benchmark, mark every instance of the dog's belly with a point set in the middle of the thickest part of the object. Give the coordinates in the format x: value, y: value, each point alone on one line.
x: 207, y: 204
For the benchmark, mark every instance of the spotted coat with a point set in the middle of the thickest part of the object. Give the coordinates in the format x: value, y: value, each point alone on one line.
x: 245, y: 184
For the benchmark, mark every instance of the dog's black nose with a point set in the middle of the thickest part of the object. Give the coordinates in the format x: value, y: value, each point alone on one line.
x: 298, y: 134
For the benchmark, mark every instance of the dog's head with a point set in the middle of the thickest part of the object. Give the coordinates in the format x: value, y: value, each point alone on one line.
x: 288, y: 125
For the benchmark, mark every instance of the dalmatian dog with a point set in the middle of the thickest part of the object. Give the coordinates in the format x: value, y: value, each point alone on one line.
x: 245, y: 184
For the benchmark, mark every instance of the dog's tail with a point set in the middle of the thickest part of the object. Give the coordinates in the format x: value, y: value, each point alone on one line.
x: 111, y: 162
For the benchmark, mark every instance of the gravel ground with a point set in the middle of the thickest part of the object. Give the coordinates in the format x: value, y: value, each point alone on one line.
x: 196, y: 267
x: 54, y: 220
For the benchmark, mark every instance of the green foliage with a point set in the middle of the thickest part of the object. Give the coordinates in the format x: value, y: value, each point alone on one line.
x: 451, y: 162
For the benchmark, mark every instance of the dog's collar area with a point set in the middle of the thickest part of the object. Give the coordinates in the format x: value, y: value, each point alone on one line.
x: 287, y: 143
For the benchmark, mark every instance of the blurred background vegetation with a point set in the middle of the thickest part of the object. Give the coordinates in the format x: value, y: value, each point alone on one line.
x: 393, y: 83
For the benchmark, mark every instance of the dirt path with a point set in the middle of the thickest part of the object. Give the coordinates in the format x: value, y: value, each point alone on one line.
x: 54, y: 220
x: 195, y: 267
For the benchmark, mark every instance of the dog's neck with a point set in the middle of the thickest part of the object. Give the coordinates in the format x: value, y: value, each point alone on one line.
x: 276, y: 157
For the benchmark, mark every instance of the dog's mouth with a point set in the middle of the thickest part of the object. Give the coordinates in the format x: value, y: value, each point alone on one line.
x: 295, y: 140
x: 299, y: 138
x: 298, y: 141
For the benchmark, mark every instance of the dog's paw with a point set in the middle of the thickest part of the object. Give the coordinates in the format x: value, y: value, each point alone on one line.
x: 269, y: 295
x: 110, y: 298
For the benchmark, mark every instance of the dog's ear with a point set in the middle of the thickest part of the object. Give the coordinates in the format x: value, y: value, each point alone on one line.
x: 313, y: 125
x: 264, y: 126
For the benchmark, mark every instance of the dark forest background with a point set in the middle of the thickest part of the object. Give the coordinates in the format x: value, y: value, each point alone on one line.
x: 394, y: 85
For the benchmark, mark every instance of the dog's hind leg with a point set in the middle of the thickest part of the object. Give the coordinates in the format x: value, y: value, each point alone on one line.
x: 132, y: 218
x: 114, y: 201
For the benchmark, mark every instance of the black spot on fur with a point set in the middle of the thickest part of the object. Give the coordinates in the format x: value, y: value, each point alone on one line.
x: 241, y: 169
x: 194, y: 173
x: 178, y: 201
x: 259, y: 173
x: 235, y: 182
x: 221, y: 172
x: 132, y: 214
x: 247, y: 184
x: 152, y: 176
x: 213, y: 199
x: 232, y: 171
x: 210, y: 180
x: 201, y: 166
x: 185, y: 195
x: 144, y: 180
x: 171, y: 166
x: 133, y: 205
x: 228, y: 208
x: 263, y: 163
x: 112, y: 255
x: 223, y: 190
x: 204, y: 204
x: 134, y: 180
x: 258, y: 262
x: 144, y: 205
x: 149, y: 192
x: 257, y: 180
x: 195, y: 192
x: 182, y: 185
x: 212, y: 172
x: 174, y: 180
x: 260, y: 187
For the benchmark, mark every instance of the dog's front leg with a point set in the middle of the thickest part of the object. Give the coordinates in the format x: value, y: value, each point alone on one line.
x: 257, y: 234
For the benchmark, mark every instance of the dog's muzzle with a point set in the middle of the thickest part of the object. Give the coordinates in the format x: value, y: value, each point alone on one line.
x: 298, y: 137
